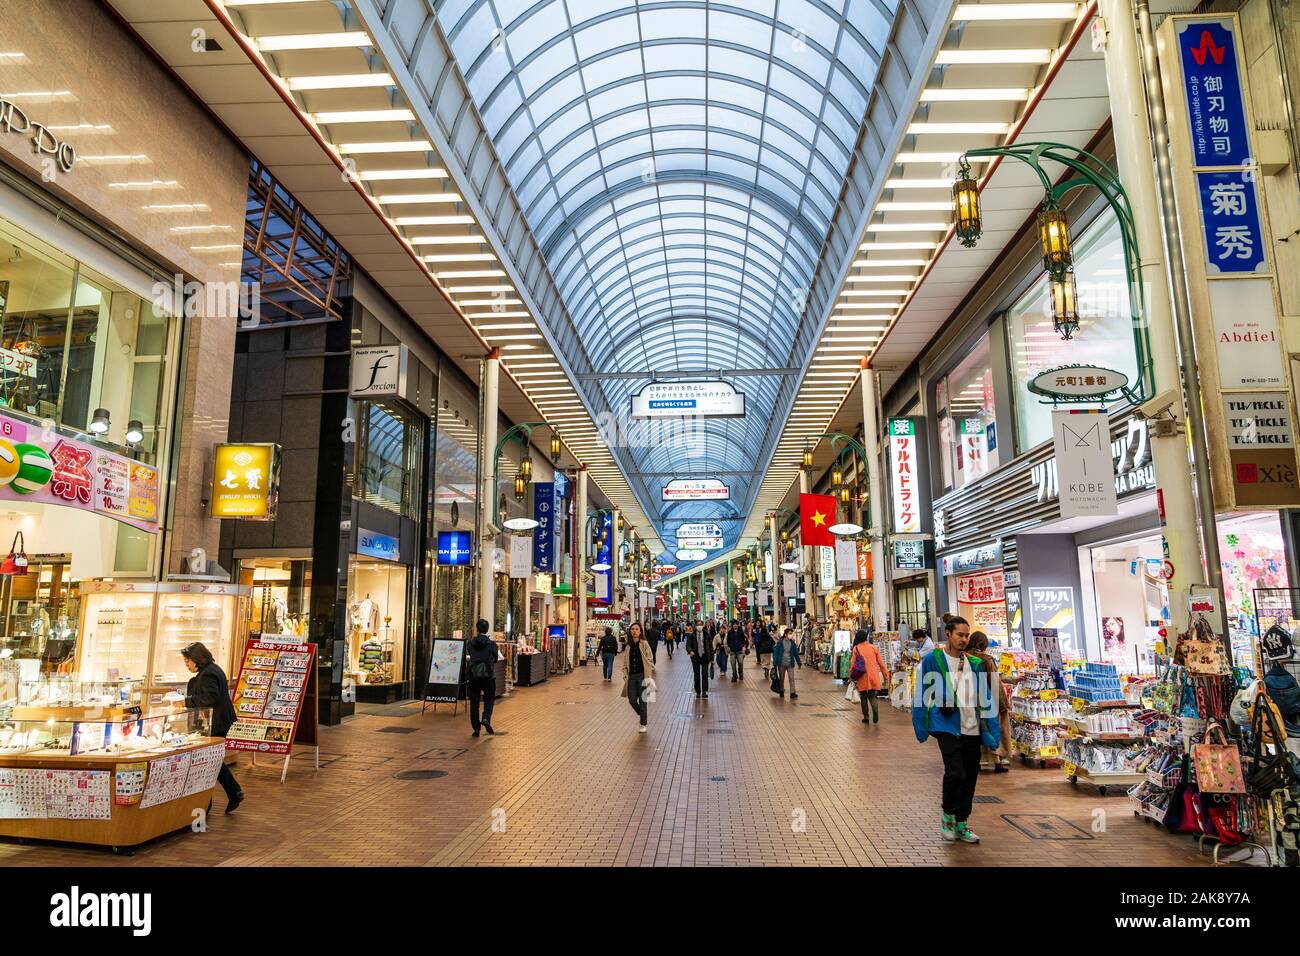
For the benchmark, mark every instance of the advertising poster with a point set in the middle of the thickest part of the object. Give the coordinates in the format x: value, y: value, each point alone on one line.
x: 443, y: 685
x: 982, y: 602
x: 1053, y: 608
x: 269, y: 695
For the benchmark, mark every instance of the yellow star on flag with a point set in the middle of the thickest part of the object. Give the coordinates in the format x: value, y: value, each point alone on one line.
x: 818, y: 518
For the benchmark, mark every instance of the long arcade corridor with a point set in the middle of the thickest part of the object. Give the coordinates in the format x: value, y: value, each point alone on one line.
x: 713, y: 783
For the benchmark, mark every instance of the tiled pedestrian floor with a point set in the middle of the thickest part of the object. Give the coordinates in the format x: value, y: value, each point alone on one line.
x: 741, y: 779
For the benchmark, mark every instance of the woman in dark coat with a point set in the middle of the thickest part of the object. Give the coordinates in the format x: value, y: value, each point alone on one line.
x: 208, y: 688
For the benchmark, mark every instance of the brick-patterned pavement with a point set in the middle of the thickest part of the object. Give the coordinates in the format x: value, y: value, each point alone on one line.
x: 568, y: 781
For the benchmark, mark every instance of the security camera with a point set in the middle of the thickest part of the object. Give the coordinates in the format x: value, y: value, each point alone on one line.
x: 1155, y: 407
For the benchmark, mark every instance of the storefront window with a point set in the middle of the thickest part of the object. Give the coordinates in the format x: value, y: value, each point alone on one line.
x: 455, y: 495
x: 1253, y: 556
x: 280, y: 595
x: 1104, y: 338
x: 967, y: 419
x: 1131, y: 603
x: 388, y: 457
x: 377, y: 622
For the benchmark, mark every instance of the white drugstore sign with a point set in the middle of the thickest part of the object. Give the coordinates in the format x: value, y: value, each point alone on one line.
x: 903, y: 474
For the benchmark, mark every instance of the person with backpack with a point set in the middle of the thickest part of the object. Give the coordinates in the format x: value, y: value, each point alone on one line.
x: 953, y: 704
x: 701, y: 654
x: 670, y: 638
x: 482, y: 677
x: 869, y: 675
x: 785, y: 658
x: 737, y: 648
x: 638, y: 668
x: 764, y: 642
x: 608, y: 652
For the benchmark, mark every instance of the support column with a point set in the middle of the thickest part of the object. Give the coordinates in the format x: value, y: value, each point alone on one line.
x: 880, y: 590
x: 487, y: 487
x: 1134, y: 160
x: 810, y: 599
x: 579, y: 637
x: 776, y: 568
x: 615, y: 566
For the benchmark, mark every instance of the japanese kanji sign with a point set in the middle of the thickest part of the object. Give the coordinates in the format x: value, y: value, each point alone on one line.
x: 246, y: 481
x: 544, y: 535
x: 1216, y: 107
x: 905, y: 475
x: 1234, y: 235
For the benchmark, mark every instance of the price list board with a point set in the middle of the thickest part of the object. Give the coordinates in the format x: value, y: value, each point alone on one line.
x: 275, y: 680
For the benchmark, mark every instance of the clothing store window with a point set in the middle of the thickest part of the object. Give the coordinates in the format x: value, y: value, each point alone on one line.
x: 377, y: 619
x: 280, y: 595
x: 967, y: 419
x: 388, y: 457
x: 1104, y: 337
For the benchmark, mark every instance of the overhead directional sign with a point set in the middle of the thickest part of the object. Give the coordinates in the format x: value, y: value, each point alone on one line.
x: 691, y: 554
x: 696, y: 489
x: 707, y: 399
x: 708, y: 544
x: 699, y: 529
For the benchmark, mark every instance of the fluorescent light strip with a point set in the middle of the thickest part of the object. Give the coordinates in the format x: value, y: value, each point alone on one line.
x: 335, y: 117
x: 502, y: 315
x: 313, y: 41
x: 1002, y: 95
x: 396, y: 146
x: 389, y: 175
x: 110, y: 158
x: 469, y: 239
x: 924, y: 128
x: 913, y: 206
x: 898, y: 245
x: 177, y: 207
x: 210, y: 228
x: 338, y: 81
x: 471, y: 274
x: 146, y: 184
x: 873, y: 293
x: 992, y: 57
x: 887, y: 263
x: 911, y: 157
x: 1016, y: 11
x: 907, y: 226
x: 880, y: 278
x: 457, y: 290
x: 516, y: 337
x: 461, y: 257
x: 433, y: 220
x: 393, y: 199
x: 492, y: 302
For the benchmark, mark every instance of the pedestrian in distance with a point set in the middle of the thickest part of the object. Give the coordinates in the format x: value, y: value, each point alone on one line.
x: 701, y: 654
x: 670, y: 638
x: 609, y: 652
x: 869, y: 675
x: 652, y: 636
x: 764, y: 642
x: 737, y: 648
x: 638, y: 668
x: 785, y: 658
x: 209, y: 688
x: 953, y: 704
x: 720, y: 651
x: 482, y: 678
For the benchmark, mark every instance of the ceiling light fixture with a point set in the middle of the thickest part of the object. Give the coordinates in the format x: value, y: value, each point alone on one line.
x: 313, y: 41
x: 338, y: 81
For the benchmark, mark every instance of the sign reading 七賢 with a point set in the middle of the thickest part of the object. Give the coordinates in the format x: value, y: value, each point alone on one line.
x: 245, y: 481
x: 904, y: 475
x: 696, y: 489
x: 708, y: 399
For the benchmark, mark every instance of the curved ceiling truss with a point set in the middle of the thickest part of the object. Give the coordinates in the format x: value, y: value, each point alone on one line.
x: 680, y: 163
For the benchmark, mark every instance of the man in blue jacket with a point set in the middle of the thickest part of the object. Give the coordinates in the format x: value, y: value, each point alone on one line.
x: 954, y: 705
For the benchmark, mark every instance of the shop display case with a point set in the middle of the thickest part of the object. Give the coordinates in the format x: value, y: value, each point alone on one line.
x: 69, y: 697
x: 138, y: 629
x: 154, y: 732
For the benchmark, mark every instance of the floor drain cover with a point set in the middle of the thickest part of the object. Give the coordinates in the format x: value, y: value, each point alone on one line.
x: 717, y: 779
x: 420, y: 774
x: 445, y: 753
x: 398, y: 730
x: 986, y: 798
x: 719, y: 730
x: 1046, y: 826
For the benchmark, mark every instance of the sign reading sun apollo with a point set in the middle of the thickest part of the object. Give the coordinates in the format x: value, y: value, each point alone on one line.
x: 706, y: 399
x: 696, y: 489
x: 45, y: 143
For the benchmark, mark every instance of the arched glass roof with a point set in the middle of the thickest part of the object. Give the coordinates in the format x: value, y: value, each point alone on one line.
x: 679, y: 162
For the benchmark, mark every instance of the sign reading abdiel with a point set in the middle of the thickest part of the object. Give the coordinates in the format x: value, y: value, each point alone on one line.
x: 696, y: 489
x: 1079, y: 383
x: 709, y: 399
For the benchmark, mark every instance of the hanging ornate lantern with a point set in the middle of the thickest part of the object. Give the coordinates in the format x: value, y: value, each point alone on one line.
x: 966, y: 206
x: 1054, y: 237
x: 1065, y: 304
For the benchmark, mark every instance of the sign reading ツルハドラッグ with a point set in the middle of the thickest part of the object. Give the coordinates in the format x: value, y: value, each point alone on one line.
x: 708, y: 399
x: 41, y: 466
x: 274, y: 682
x: 904, y: 475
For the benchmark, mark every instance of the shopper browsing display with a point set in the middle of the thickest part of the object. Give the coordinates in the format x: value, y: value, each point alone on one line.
x: 208, y: 688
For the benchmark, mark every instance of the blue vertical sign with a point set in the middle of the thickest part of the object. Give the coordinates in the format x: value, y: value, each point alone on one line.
x: 1216, y: 105
x: 544, y: 534
x: 604, y: 579
x: 1234, y: 234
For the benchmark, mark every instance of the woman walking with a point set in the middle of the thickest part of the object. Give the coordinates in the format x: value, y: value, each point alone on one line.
x: 999, y: 759
x: 609, y: 651
x: 638, y: 667
x: 785, y: 658
x: 670, y: 638
x: 208, y: 688
x: 868, y: 673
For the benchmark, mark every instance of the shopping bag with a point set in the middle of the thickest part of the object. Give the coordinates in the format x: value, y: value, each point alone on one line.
x: 851, y: 693
x: 648, y: 691
x: 16, y: 561
x: 1204, y: 654
x: 777, y: 686
x: 1218, y: 764
x: 858, y: 668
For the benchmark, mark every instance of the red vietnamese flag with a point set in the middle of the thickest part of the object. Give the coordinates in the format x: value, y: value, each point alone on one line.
x: 816, y: 515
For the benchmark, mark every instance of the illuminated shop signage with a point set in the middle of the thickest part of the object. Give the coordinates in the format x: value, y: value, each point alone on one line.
x: 14, y: 120
x: 904, y: 475
x: 246, y: 481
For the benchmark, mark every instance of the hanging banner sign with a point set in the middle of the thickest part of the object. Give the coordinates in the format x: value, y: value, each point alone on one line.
x: 1085, y: 468
x: 904, y: 475
x: 789, y: 584
x: 696, y: 489
x: 707, y: 399
x: 846, y: 560
x: 826, y: 566
x: 1234, y: 233
x: 521, y: 554
x: 75, y: 474
x: 1216, y: 107
x: 701, y: 529
x: 690, y: 554
x: 544, y: 533
x: 708, y: 544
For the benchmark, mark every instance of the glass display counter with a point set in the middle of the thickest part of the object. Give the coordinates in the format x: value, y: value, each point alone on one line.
x: 113, y: 782
x: 140, y: 628
x: 69, y: 697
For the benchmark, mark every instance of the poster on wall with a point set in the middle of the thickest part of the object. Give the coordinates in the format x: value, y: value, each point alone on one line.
x: 1053, y: 607
x: 275, y: 680
x: 981, y: 601
x: 1085, y: 466
x: 75, y: 474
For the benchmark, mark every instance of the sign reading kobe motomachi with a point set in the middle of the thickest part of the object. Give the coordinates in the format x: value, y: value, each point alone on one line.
x: 707, y: 399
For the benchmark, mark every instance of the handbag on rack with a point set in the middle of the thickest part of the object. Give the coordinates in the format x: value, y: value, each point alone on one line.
x: 16, y: 561
x: 1268, y: 771
x: 1204, y: 654
x: 1167, y: 692
x: 1218, y: 764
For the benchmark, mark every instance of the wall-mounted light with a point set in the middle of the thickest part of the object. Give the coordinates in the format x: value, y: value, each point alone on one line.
x: 100, y: 423
x: 1054, y: 237
x: 846, y: 494
x: 1065, y: 304
x: 837, y: 476
x: 134, y: 431
x: 966, y: 205
x: 521, y: 486
x: 807, y: 457
x: 555, y: 448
